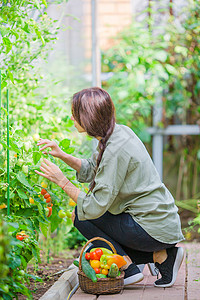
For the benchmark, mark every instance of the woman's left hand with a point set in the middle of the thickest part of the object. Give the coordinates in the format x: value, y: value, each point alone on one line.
x: 51, y: 172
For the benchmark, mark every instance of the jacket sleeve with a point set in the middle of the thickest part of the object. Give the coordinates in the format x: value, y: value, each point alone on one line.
x: 109, y: 179
x: 88, y: 166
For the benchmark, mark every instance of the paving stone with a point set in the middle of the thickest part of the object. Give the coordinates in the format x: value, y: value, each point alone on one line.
x: 193, y: 269
x: 81, y: 295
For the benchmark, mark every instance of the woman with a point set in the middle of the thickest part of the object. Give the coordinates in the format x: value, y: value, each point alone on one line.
x: 127, y: 203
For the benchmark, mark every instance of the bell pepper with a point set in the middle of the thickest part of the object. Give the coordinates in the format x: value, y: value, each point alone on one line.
x: 108, y: 260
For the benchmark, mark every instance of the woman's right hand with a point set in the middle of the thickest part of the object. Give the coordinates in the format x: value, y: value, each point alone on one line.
x: 55, y: 149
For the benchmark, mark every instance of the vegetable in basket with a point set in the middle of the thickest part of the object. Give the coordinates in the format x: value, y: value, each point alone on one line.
x: 107, y: 260
x: 113, y: 271
x: 87, y: 269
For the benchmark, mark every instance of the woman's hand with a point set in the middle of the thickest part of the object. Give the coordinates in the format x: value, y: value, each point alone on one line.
x: 73, y: 216
x: 52, y: 172
x: 55, y: 149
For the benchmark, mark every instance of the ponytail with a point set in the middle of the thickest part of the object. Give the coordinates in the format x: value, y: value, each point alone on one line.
x: 102, y: 147
x: 94, y: 110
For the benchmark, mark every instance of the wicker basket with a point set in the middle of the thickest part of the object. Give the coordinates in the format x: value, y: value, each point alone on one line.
x: 103, y: 285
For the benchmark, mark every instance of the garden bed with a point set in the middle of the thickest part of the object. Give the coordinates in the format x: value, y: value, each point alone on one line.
x: 49, y: 272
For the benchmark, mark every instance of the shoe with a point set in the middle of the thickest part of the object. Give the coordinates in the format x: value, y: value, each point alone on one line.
x: 141, y: 267
x: 169, y: 268
x: 153, y: 270
x: 132, y: 275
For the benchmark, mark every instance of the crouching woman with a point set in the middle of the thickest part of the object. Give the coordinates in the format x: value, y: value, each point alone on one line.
x: 127, y: 203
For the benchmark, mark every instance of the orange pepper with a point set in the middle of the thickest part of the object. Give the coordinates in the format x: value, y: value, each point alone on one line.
x: 117, y: 259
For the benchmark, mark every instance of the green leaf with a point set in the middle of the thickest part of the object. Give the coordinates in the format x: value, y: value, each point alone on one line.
x: 7, y: 43
x: 20, y: 132
x: 161, y: 55
x: 22, y: 194
x: 171, y: 69
x: 36, y: 278
x: 3, y: 84
x: 15, y: 262
x: 25, y: 212
x: 14, y: 146
x: 36, y: 156
x: 44, y: 228
x: 70, y: 150
x: 13, y: 226
x: 45, y: 3
x: 10, y: 76
x: 37, y: 4
x: 181, y: 50
x: 40, y: 208
x: 21, y: 177
x: 26, y: 28
x: 64, y: 144
x: 55, y: 220
x: 4, y: 30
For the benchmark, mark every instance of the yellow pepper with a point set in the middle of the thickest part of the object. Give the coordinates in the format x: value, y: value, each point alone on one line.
x: 110, y: 259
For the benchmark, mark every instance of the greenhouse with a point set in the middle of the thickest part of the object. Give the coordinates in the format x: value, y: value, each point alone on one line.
x: 99, y: 149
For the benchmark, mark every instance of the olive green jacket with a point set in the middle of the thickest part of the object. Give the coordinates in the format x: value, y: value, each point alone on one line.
x: 127, y: 181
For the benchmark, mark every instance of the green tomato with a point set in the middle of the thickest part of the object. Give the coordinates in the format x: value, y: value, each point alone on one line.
x: 61, y: 214
x: 25, y: 169
x: 68, y: 214
x: 21, y: 272
x: 36, y: 137
x: 5, y: 288
x: 5, y: 269
x: 27, y: 146
x: 18, y: 278
x: 20, y: 162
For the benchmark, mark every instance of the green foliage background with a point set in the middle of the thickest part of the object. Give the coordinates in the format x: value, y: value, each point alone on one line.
x: 149, y: 62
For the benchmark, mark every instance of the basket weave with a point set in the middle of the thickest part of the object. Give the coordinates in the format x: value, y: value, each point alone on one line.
x: 103, y: 285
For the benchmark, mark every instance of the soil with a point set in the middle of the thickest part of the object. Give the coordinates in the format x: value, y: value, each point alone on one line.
x: 47, y: 271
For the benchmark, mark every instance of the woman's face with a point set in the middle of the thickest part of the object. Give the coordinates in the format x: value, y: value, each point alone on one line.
x: 78, y: 127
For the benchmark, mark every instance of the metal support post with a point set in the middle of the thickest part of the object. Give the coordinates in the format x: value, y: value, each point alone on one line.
x: 96, y: 58
x: 157, y: 146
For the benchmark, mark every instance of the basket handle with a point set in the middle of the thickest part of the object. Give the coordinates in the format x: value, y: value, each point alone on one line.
x: 94, y: 239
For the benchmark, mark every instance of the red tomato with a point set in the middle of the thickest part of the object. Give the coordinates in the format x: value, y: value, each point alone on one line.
x: 99, y: 252
x: 97, y: 270
x: 19, y: 237
x: 43, y: 191
x: 93, y: 255
x: 48, y: 199
x: 87, y: 255
x: 47, y: 196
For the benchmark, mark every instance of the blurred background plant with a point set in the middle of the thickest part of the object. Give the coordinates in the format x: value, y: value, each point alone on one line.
x: 147, y: 61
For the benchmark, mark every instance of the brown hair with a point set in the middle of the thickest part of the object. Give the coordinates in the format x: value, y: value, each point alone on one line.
x: 94, y: 110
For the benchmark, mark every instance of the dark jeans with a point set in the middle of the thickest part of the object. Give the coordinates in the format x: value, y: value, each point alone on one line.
x: 127, y: 236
